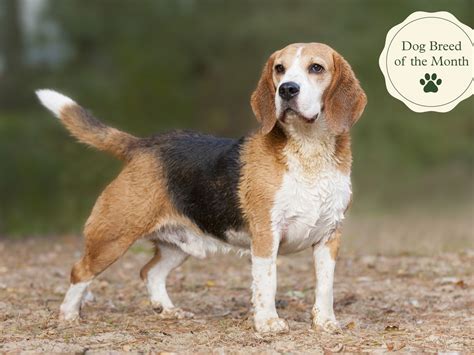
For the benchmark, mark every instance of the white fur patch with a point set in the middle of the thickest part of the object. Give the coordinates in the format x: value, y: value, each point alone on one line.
x: 264, y: 274
x: 309, y: 206
x: 197, y: 245
x: 264, y: 287
x: 324, y: 264
x: 71, y: 305
x: 54, y: 101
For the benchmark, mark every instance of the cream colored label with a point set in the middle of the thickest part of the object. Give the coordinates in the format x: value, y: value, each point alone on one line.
x: 427, y: 61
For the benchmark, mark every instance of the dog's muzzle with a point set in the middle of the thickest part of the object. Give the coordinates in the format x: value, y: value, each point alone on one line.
x: 288, y: 90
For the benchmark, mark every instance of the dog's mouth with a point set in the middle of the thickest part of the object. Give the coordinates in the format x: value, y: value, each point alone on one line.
x: 290, y: 112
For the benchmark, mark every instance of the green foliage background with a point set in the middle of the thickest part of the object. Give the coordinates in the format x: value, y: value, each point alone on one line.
x: 149, y: 66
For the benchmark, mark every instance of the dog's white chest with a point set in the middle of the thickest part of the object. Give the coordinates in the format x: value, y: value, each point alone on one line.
x: 309, y: 207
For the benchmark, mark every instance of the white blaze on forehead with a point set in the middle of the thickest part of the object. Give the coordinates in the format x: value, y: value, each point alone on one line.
x: 294, y: 71
x: 308, y: 102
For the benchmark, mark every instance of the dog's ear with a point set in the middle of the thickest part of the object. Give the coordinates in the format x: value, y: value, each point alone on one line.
x: 263, y: 98
x: 344, y: 100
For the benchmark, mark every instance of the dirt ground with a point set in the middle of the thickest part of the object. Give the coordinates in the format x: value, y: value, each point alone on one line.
x: 384, y: 303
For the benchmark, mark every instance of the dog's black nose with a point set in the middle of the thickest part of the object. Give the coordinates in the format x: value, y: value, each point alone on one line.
x: 288, y: 90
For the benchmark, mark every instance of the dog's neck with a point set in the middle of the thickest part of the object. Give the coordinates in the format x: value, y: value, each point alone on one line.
x: 314, y: 146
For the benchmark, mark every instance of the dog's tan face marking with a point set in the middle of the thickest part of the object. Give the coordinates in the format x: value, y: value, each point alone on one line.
x: 310, y: 68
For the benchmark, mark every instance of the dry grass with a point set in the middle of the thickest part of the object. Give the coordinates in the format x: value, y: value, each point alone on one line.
x: 398, y: 302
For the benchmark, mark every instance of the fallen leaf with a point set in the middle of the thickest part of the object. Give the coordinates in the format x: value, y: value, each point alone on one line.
x: 399, y: 346
x: 447, y: 280
x: 337, y: 348
x: 461, y: 284
x: 350, y: 325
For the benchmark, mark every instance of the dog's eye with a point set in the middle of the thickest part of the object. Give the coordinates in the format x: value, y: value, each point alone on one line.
x: 280, y: 69
x: 316, y: 68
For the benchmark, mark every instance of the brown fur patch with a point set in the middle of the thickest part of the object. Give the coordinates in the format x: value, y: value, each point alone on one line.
x: 344, y: 100
x: 334, y: 243
x: 343, y: 153
x: 89, y: 130
x: 261, y: 177
x: 263, y: 98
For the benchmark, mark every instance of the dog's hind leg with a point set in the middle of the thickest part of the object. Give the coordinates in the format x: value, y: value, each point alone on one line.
x: 126, y: 210
x: 167, y: 257
x: 97, y: 257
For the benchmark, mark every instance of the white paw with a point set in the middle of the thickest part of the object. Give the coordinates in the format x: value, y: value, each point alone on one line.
x: 271, y: 326
x: 329, y: 325
x: 325, y: 321
x: 175, y: 313
x: 68, y: 316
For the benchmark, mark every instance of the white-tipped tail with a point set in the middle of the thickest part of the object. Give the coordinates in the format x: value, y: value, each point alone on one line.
x: 85, y: 127
x: 54, y: 101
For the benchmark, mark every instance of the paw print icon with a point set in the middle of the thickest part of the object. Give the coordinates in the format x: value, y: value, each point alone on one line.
x: 430, y: 82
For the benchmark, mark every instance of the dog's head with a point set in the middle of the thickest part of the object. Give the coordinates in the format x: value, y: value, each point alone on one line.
x: 306, y: 83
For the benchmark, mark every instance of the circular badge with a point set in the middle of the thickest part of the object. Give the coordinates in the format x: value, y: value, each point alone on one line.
x: 427, y: 61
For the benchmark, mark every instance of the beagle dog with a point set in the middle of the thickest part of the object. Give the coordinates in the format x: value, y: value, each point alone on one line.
x: 279, y: 190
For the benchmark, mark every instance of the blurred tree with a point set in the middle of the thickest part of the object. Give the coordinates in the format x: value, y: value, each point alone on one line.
x: 11, y: 47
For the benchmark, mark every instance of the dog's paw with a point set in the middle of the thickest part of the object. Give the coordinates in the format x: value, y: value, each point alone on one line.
x: 69, y: 314
x: 69, y: 317
x: 325, y: 321
x: 175, y: 313
x: 271, y: 326
x: 327, y: 325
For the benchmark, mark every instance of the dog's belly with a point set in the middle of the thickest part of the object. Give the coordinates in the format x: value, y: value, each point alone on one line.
x: 201, y: 245
x: 307, y: 211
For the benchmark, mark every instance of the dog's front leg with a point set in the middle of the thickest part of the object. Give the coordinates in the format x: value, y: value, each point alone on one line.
x: 324, y: 255
x: 264, y: 254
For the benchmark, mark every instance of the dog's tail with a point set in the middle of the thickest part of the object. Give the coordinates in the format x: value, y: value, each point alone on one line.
x: 85, y: 127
